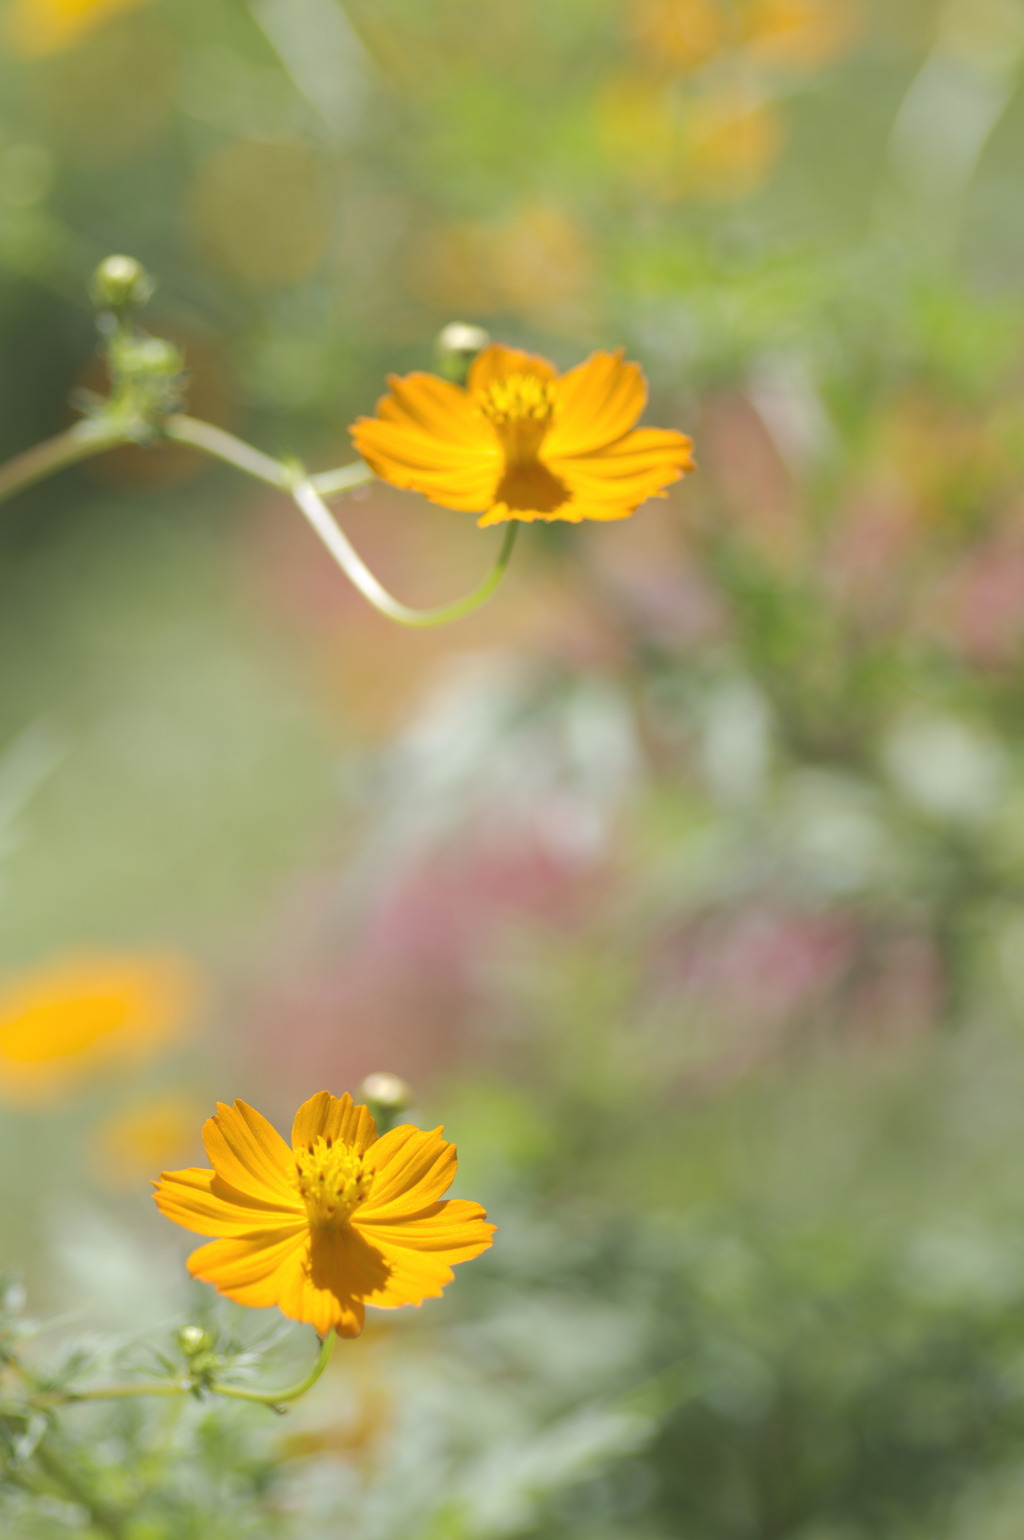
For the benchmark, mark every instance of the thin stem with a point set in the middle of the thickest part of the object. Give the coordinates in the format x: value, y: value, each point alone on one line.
x: 225, y: 446
x: 273, y: 1398
x: 105, y: 431
x: 329, y: 483
x: 358, y: 573
x: 86, y: 438
x: 277, y: 1398
x: 109, y: 1393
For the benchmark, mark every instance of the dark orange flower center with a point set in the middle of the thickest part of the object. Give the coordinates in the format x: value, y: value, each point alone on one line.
x: 331, y: 1181
x: 521, y: 408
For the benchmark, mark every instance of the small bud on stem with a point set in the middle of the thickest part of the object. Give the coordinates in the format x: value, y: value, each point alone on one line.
x: 121, y: 284
x: 456, y: 346
x: 386, y: 1096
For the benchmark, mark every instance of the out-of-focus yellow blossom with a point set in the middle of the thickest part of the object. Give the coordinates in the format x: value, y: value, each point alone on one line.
x: 945, y: 457
x: 718, y: 144
x: 523, y: 442
x: 640, y: 130
x: 33, y: 28
x: 83, y: 1011
x: 679, y: 34
x: 155, y: 1133
x: 536, y: 262
x: 799, y: 34
x: 733, y: 143
x: 263, y: 210
x: 335, y: 1222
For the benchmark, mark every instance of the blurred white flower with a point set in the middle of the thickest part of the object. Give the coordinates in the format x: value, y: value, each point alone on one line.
x: 946, y: 767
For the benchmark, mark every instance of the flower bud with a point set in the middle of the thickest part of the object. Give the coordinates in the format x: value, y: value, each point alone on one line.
x: 194, y: 1340
x: 387, y: 1090
x: 456, y: 346
x: 120, y: 284
x: 387, y: 1096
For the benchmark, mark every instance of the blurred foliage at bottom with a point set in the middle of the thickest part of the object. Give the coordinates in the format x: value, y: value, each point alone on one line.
x: 826, y: 1340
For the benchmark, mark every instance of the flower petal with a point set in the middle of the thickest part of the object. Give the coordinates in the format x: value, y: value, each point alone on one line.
x: 250, y: 1269
x: 347, y: 1264
x: 300, y: 1274
x: 611, y: 483
x: 637, y: 466
x: 412, y: 1168
x: 336, y: 1118
x: 248, y: 1153
x: 571, y: 512
x: 433, y: 406
x: 450, y: 473
x: 596, y: 403
x: 420, y: 1250
x: 199, y: 1200
x: 431, y: 437
x: 498, y: 362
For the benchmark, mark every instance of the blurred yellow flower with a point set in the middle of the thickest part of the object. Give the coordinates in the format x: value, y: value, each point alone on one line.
x: 523, y: 442
x: 535, y: 262
x: 129, y: 1144
x: 799, y: 34
x: 339, y: 1221
x: 679, y: 34
x: 716, y: 144
x: 682, y: 35
x: 37, y: 27
x: 82, y: 1011
x: 733, y: 143
x: 263, y: 210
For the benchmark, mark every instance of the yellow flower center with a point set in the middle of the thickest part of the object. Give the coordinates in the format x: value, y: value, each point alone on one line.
x: 331, y: 1181
x: 521, y: 408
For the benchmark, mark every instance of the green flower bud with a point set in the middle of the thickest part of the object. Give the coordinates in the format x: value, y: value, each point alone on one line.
x: 387, y: 1097
x: 193, y: 1340
x: 387, y: 1091
x: 456, y: 346
x: 120, y: 284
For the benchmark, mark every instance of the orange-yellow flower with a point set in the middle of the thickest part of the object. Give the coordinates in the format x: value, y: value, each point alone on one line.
x: 339, y: 1221
x: 37, y: 27
x: 523, y: 442
x: 127, y: 1145
x: 78, y: 1013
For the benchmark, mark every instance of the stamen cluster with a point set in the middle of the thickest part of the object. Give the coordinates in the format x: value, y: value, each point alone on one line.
x: 331, y: 1181
x: 515, y: 399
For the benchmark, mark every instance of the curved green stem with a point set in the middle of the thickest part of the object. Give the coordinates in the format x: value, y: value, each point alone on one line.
x: 111, y: 428
x: 225, y: 446
x: 272, y: 1398
x: 277, y: 1398
x: 319, y: 515
x: 87, y: 438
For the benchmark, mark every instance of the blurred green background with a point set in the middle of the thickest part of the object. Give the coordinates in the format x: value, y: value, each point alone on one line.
x: 685, y: 882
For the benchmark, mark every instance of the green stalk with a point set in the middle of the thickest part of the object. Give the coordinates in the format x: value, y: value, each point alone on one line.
x: 87, y: 438
x: 107, y: 430
x: 359, y: 574
x: 276, y: 1399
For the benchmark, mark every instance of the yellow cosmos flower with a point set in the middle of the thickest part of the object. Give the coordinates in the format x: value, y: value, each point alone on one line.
x: 339, y: 1221
x: 38, y: 27
x: 80, y: 1012
x: 127, y: 1145
x: 523, y: 442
